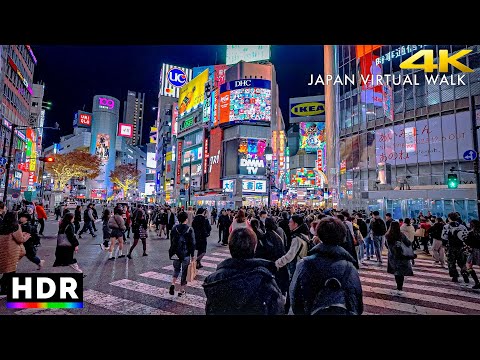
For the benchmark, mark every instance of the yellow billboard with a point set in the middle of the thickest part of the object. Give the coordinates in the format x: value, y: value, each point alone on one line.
x: 192, y: 94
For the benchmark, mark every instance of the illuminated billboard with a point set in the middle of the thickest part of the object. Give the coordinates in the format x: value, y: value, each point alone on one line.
x: 307, y: 108
x: 312, y: 135
x: 172, y: 78
x: 102, y: 147
x: 82, y: 119
x: 254, y: 186
x: 248, y: 100
x: 192, y: 94
x: 174, y: 119
x: 151, y: 162
x: 252, y: 156
x: 228, y: 185
x: 197, y: 154
x: 247, y: 53
x: 214, y: 161
x: 125, y: 130
x: 302, y: 177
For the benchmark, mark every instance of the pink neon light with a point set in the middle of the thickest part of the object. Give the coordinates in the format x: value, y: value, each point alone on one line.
x: 109, y: 103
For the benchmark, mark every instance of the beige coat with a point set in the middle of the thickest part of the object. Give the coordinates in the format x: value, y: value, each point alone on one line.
x: 11, y: 251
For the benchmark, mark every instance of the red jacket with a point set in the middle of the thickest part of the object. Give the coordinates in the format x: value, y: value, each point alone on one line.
x: 41, y: 214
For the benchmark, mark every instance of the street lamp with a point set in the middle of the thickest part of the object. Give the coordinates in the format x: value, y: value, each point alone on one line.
x: 268, y: 157
x: 10, y: 149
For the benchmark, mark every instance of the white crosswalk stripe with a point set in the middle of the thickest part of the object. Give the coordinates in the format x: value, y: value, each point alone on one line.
x: 187, y: 299
x: 222, y: 254
x: 168, y: 278
x: 212, y: 258
x: 199, y: 271
x: 119, y: 305
x: 408, y: 308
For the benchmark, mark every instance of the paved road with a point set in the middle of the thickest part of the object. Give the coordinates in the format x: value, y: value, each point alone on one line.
x: 140, y: 286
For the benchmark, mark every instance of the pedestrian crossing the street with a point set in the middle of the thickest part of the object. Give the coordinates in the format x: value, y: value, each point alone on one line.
x: 429, y: 292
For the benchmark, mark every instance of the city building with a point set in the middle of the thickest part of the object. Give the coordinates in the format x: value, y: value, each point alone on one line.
x: 133, y: 109
x: 397, y: 141
x: 17, y: 65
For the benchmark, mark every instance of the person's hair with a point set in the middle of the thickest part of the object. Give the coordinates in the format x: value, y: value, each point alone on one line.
x: 285, y: 215
x: 67, y: 219
x: 407, y: 221
x: 321, y: 216
x: 345, y: 214
x: 475, y: 225
x: 439, y: 219
x: 400, y: 220
x: 255, y: 224
x: 106, y: 215
x: 25, y: 215
x: 270, y: 224
x: 393, y: 234
x: 242, y: 243
x: 331, y: 231
x: 453, y: 216
x: 190, y: 208
x: 388, y: 214
x: 240, y: 217
x: 78, y: 207
x: 9, y: 223
x: 200, y: 211
x: 182, y: 217
x: 297, y: 219
x: 263, y: 212
x: 118, y: 211
x: 340, y: 217
x: 375, y: 213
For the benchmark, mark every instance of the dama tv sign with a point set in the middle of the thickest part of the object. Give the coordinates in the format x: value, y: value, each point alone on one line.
x: 45, y: 291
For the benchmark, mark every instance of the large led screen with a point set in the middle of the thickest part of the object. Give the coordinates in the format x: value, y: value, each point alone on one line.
x: 312, y: 135
x: 252, y: 156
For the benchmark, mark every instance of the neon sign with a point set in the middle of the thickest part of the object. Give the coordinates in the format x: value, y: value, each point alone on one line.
x: 31, y: 54
x: 15, y: 68
x: 104, y: 103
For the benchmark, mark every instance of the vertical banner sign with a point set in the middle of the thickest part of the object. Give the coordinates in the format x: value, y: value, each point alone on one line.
x: 205, y: 156
x: 179, y: 162
x: 320, y: 159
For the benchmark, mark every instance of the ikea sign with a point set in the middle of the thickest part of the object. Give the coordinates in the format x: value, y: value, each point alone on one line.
x: 307, y: 109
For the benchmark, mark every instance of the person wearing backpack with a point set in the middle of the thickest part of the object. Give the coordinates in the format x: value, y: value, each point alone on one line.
x: 378, y: 229
x: 243, y: 285
x: 326, y: 282
x: 438, y: 251
x: 453, y: 235
x: 182, y: 251
x: 299, y: 246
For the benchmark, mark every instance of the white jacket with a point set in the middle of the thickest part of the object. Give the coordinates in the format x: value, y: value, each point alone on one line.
x: 408, y: 231
x: 292, y: 252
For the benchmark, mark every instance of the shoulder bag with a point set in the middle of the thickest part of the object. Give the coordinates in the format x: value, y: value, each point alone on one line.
x: 405, y: 251
x: 62, y: 240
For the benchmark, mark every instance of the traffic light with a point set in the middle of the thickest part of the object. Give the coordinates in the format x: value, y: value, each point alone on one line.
x: 452, y: 181
x: 46, y: 159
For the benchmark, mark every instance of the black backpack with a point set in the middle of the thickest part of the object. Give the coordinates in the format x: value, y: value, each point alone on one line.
x: 181, y: 249
x: 453, y: 240
x: 379, y: 228
x: 331, y: 298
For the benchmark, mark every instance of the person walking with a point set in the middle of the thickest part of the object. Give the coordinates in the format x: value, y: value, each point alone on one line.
x: 438, y: 250
x: 57, y: 212
x: 240, y: 221
x: 163, y: 223
x: 67, y: 244
x: 425, y: 227
x: 328, y: 267
x: 397, y: 264
x: 170, y: 221
x: 453, y: 235
x: 41, y: 216
x: 140, y: 232
x: 377, y: 229
x: 473, y: 242
x: 105, y: 229
x: 117, y: 227
x: 95, y: 217
x: 214, y: 216
x: 202, y: 229
x: 243, y: 285
x: 181, y: 251
x: 24, y: 219
x: 283, y: 223
x: 11, y: 248
x: 77, y: 218
x: 88, y: 220
x: 191, y: 215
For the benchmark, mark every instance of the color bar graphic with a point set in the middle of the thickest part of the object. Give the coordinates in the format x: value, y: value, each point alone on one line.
x: 44, y: 305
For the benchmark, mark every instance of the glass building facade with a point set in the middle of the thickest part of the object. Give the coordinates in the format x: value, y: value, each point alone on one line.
x: 398, y: 141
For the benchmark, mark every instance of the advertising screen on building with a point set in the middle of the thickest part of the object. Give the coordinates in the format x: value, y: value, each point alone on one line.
x: 312, y: 136
x: 192, y: 94
x: 102, y: 147
x: 125, y: 130
x: 252, y: 156
x: 82, y: 119
x: 254, y: 186
x: 307, y: 108
x: 423, y: 141
x: 178, y: 170
x: 248, y: 100
x: 214, y: 161
x: 228, y: 186
x: 247, y: 53
x: 172, y: 78
x: 149, y: 188
x: 303, y: 177
x: 100, y: 194
x: 151, y: 162
x: 170, y: 165
x: 197, y: 154
x: 174, y: 119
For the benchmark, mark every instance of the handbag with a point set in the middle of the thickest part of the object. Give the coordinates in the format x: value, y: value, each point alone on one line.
x: 420, y: 232
x: 405, y: 251
x: 191, y: 271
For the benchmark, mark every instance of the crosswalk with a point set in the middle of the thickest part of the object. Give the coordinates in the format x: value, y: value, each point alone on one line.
x: 429, y: 292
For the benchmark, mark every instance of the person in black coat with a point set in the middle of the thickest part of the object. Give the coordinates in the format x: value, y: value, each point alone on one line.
x: 202, y: 229
x: 326, y: 260
x: 181, y: 252
x: 397, y: 265
x: 64, y: 255
x: 283, y: 223
x: 243, y: 285
x: 223, y: 225
x: 77, y: 218
x: 170, y: 221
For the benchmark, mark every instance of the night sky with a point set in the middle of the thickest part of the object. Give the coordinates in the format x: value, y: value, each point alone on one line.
x: 74, y: 74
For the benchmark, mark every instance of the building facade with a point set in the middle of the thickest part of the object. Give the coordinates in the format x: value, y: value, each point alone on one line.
x: 398, y: 141
x: 133, y: 110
